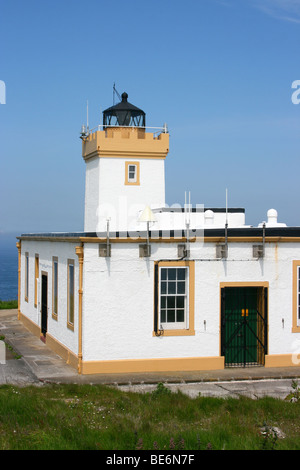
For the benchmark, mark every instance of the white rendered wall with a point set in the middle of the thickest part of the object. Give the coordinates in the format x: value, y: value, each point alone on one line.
x: 107, y: 195
x: 119, y: 296
x: 46, y: 250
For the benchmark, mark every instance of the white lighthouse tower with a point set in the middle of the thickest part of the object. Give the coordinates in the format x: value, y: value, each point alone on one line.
x: 125, y: 169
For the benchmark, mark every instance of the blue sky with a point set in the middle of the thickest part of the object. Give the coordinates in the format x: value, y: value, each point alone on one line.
x: 218, y: 72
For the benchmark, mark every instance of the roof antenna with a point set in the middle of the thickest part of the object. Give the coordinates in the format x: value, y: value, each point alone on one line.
x: 187, y: 224
x: 115, y: 92
x: 226, y: 226
x: 87, y: 116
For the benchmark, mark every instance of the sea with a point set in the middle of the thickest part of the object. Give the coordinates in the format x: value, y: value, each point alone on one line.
x: 8, y: 266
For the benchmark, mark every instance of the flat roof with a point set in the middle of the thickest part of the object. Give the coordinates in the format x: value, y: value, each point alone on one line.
x: 161, y: 234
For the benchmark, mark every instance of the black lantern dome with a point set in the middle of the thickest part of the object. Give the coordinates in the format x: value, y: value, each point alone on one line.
x: 124, y: 114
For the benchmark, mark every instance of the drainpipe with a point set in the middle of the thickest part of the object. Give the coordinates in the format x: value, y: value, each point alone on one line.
x: 79, y: 253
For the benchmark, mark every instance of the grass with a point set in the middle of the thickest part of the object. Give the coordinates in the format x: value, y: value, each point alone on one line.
x: 83, y: 417
x: 8, y: 304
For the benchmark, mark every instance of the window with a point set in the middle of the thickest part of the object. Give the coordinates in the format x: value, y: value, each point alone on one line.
x: 174, y: 298
x: 298, y: 294
x: 54, y: 287
x: 296, y: 297
x: 132, y: 173
x: 71, y: 292
x: 36, y: 278
x: 26, y: 276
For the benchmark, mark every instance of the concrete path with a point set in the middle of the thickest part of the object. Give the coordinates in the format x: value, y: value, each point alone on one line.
x: 38, y: 365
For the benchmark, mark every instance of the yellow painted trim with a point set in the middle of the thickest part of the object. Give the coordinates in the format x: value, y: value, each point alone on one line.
x: 137, y: 182
x: 153, y: 365
x: 295, y: 326
x: 80, y: 253
x: 53, y: 343
x: 165, y: 239
x: 18, y: 244
x: 125, y: 143
x: 62, y: 351
x: 245, y: 284
x: 30, y: 325
x: 282, y: 360
x: 250, y: 239
x: 190, y: 331
x: 114, y: 154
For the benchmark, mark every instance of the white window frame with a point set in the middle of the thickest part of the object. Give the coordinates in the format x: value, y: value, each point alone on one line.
x: 132, y: 179
x: 175, y: 325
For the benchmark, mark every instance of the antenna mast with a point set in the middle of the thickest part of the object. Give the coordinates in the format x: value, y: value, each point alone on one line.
x: 87, y: 115
x: 115, y: 92
x: 226, y: 226
x: 187, y: 224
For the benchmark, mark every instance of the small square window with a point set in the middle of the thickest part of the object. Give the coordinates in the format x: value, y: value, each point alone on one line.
x: 132, y: 173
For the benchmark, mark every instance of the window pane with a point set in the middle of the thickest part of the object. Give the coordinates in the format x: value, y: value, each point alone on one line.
x: 163, y: 302
x: 181, y: 274
x: 181, y: 288
x: 171, y: 287
x: 180, y: 315
x: 172, y: 274
x: 171, y: 302
x: 131, y: 172
x: 163, y: 316
x: 163, y: 274
x: 171, y: 316
x: 180, y: 302
x: 163, y: 288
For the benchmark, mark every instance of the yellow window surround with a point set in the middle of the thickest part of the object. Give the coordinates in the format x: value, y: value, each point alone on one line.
x: 190, y: 330
x: 136, y: 181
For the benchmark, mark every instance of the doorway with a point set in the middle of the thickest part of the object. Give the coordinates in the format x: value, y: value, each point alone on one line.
x: 244, y: 325
x: 44, y: 303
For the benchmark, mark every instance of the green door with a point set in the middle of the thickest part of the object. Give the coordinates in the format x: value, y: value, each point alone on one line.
x: 243, y: 326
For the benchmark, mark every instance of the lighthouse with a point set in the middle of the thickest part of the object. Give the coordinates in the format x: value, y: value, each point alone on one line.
x: 125, y: 168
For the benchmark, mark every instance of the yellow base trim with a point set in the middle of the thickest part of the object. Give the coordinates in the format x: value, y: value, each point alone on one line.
x: 51, y: 342
x: 282, y: 360
x: 30, y: 325
x: 153, y: 365
x: 62, y: 351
